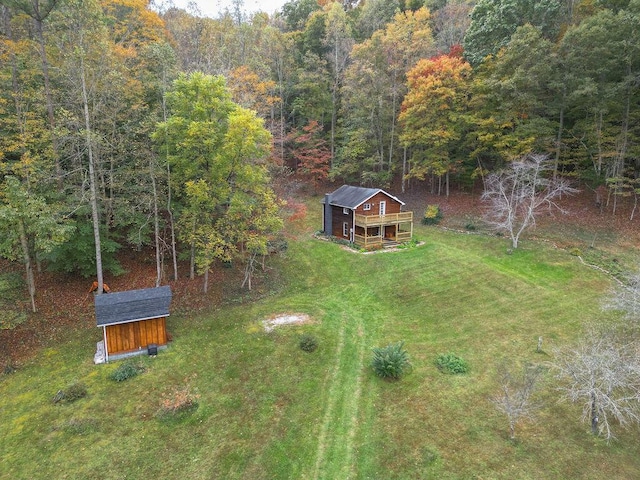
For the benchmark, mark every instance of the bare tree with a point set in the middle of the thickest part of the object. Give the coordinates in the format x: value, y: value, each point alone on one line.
x: 514, y: 395
x: 626, y: 299
x: 517, y: 194
x: 602, y: 373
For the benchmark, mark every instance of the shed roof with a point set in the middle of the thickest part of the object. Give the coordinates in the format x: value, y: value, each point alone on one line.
x: 132, y: 305
x: 348, y: 196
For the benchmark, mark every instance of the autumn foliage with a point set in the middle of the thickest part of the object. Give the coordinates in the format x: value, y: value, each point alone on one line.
x: 310, y: 153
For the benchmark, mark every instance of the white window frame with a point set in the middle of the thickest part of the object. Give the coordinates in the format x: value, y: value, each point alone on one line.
x: 366, y: 206
x: 345, y: 229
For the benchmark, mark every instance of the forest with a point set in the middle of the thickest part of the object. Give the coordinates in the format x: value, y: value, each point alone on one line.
x: 135, y: 124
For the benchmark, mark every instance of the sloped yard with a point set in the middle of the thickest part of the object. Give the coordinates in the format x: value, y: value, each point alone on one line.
x: 266, y: 409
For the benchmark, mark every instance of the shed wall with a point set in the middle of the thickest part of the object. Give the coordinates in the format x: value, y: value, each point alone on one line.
x: 126, y: 337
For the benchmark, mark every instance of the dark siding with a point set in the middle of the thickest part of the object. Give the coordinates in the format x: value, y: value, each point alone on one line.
x: 338, y: 218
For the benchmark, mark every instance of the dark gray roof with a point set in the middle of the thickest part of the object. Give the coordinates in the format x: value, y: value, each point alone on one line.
x: 132, y: 305
x: 352, y: 197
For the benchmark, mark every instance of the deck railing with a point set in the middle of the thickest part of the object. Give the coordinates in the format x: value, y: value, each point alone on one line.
x: 388, y: 219
x: 403, y: 237
x: 365, y: 242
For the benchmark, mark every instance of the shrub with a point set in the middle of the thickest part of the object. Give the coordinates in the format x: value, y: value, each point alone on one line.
x: 451, y: 363
x: 391, y: 361
x: 73, y: 392
x: 126, y: 371
x: 432, y: 215
x: 470, y: 227
x: 308, y: 343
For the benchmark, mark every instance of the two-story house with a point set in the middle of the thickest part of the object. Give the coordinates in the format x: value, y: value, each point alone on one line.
x: 368, y: 217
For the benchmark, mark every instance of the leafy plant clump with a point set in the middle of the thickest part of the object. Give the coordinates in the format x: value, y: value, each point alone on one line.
x: 126, y: 370
x: 451, y: 363
x: 391, y: 361
x: 73, y: 392
x: 308, y: 343
x: 432, y: 215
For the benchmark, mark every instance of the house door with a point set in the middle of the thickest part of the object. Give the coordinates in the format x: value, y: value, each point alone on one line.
x: 383, y: 207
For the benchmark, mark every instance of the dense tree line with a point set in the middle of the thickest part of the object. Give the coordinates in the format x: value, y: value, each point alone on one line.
x: 129, y: 122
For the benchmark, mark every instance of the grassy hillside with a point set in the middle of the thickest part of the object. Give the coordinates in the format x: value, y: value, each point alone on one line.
x: 268, y: 410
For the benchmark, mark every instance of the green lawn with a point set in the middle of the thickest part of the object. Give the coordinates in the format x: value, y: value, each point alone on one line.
x: 268, y: 410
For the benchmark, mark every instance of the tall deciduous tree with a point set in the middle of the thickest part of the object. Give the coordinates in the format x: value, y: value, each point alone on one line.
x: 30, y: 227
x: 218, y: 151
x: 512, y: 96
x: 338, y: 40
x: 39, y: 11
x: 373, y: 91
x: 432, y: 115
x: 311, y: 155
x: 494, y: 21
x: 515, y: 195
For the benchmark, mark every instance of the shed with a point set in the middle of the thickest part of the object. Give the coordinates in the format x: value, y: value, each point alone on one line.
x: 133, y: 320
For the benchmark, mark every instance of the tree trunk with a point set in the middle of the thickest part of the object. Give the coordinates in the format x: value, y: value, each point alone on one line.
x: 594, y: 415
x: 48, y: 97
x: 27, y: 264
x: 192, y: 262
x: 92, y: 181
x: 558, y: 143
x: 206, y: 280
x: 156, y: 223
x: 404, y: 168
x: 393, y: 125
x: 174, y: 254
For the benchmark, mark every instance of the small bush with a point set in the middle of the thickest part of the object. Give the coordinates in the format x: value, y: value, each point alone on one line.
x: 308, y: 343
x: 391, y: 361
x: 451, y: 363
x: 432, y: 215
x: 470, y: 227
x: 73, y: 392
x: 126, y: 371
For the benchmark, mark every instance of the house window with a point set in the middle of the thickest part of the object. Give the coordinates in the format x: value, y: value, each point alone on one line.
x: 345, y: 229
x: 345, y: 210
x: 366, y: 206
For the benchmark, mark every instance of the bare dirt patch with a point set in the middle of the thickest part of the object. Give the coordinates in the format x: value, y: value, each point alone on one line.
x: 285, y: 319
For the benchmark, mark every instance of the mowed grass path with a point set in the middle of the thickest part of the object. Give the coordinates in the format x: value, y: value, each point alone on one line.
x: 267, y: 410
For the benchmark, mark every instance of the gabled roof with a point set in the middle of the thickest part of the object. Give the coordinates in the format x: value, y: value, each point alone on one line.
x: 348, y: 196
x: 132, y: 305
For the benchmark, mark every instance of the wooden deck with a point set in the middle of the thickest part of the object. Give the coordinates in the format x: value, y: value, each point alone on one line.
x: 400, y: 225
x: 380, y: 220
